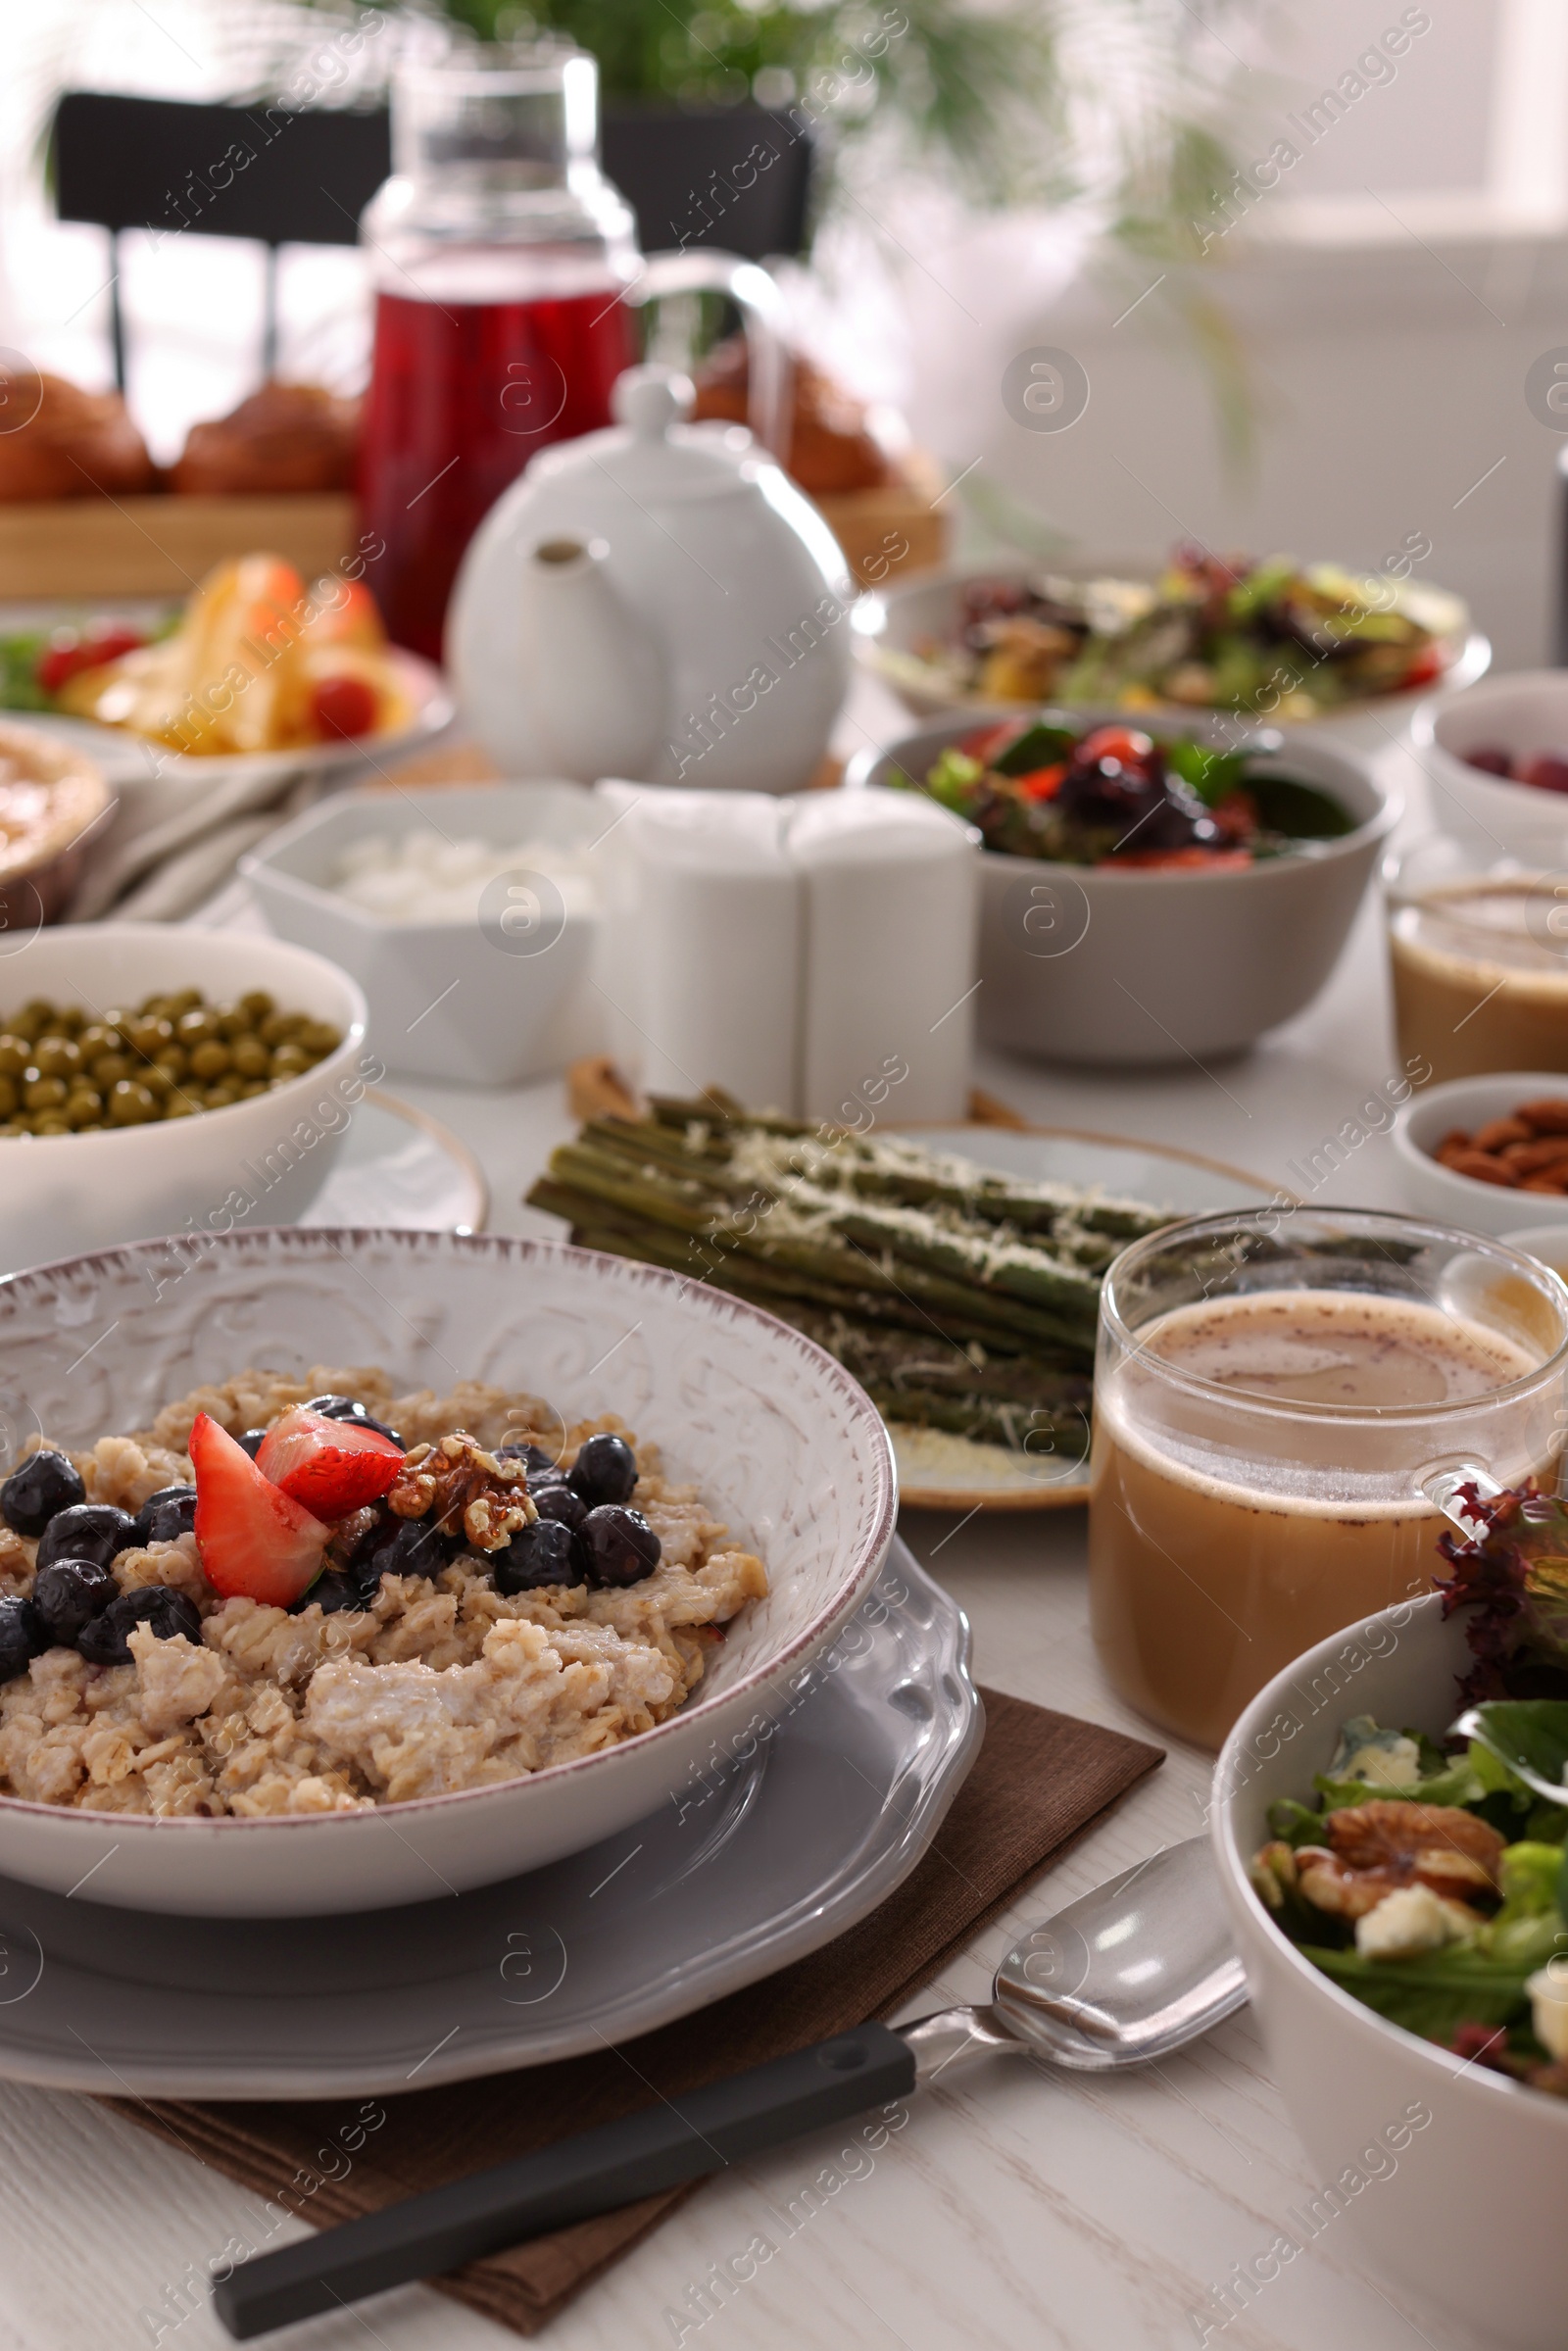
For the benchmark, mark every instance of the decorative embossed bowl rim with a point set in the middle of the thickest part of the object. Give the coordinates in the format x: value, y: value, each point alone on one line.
x: 714, y: 1380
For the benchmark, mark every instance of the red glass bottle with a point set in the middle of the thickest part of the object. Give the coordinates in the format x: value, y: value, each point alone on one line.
x: 501, y: 258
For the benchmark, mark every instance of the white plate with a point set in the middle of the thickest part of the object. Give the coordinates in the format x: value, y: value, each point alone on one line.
x: 401, y: 1168
x: 769, y: 1856
x: 939, y: 1471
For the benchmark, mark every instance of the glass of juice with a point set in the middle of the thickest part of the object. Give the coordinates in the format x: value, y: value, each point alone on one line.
x: 1279, y: 1396
x: 1478, y: 944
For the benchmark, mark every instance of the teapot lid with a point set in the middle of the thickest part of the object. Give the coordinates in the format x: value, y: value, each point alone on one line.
x: 650, y: 451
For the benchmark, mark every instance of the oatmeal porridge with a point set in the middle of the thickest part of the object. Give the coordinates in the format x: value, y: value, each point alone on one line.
x: 315, y: 1595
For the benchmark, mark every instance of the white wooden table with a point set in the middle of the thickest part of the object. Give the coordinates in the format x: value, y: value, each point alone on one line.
x: 1014, y: 2210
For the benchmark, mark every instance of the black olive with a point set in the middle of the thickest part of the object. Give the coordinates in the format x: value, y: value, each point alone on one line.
x: 104, y: 1639
x: 22, y: 1638
x: 94, y: 1530
x: 605, y: 1471
x: 69, y: 1593
x: 334, y: 1590
x: 167, y: 1515
x: 45, y: 1483
x: 252, y: 1442
x: 544, y: 1553
x: 555, y: 1500
x: 618, y: 1545
x: 344, y: 1408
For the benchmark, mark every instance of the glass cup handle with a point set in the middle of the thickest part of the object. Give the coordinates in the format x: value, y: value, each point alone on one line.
x: 1443, y: 1488
x: 764, y: 314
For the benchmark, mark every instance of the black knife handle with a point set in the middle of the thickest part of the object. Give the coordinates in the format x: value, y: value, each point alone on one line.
x: 658, y: 2147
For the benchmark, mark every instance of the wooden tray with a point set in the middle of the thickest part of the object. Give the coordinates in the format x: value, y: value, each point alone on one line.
x: 107, y: 547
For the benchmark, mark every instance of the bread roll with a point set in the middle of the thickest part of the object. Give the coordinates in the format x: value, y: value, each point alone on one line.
x: 830, y: 448
x: 58, y: 441
x: 284, y: 439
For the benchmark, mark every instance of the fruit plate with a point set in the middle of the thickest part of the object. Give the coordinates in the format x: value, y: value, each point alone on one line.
x: 400, y: 1168
x: 773, y: 1849
x: 938, y: 1471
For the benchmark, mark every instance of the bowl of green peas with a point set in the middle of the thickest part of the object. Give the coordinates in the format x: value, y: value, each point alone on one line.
x: 162, y: 1080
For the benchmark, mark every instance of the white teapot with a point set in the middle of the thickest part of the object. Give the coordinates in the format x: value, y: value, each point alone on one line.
x: 657, y: 602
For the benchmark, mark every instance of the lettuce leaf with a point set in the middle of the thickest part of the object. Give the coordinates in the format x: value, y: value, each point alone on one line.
x: 1436, y: 1993
x: 1529, y: 1737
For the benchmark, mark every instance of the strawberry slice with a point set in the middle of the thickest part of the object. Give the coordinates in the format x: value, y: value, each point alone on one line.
x: 253, y: 1537
x: 329, y: 1466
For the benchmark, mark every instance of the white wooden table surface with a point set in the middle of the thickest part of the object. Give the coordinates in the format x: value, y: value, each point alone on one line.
x: 1015, y: 2210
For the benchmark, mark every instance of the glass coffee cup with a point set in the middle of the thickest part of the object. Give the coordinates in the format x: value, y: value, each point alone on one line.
x: 1286, y: 1405
x: 1478, y: 948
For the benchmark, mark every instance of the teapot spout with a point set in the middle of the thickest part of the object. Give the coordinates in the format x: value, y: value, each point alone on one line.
x: 594, y: 671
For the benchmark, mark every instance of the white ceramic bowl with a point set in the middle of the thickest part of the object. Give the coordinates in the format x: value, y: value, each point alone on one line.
x: 781, y: 1440
x: 1094, y: 965
x: 260, y: 1161
x: 889, y: 624
x: 1522, y: 712
x: 1469, y: 1102
x: 1548, y: 1242
x: 447, y: 1000
x: 1448, y: 2177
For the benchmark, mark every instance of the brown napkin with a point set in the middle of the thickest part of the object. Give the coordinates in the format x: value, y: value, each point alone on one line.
x: 1041, y: 1779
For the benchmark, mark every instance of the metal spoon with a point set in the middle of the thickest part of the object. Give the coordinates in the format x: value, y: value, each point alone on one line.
x: 1127, y: 1974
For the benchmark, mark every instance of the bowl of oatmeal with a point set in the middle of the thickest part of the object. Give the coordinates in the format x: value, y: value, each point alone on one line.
x: 337, y: 1568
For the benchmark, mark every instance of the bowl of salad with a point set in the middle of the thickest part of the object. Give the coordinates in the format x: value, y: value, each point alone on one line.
x: 1282, y: 643
x: 1390, y: 1816
x: 1148, y: 898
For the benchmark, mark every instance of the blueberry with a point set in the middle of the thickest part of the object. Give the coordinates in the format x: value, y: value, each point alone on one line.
x: 104, y: 1639
x: 542, y: 1553
x: 557, y: 1500
x: 344, y: 1408
x: 605, y: 1471
x: 618, y: 1545
x: 166, y: 1515
x: 335, y: 1590
x: 414, y: 1546
x: 22, y: 1636
x: 252, y: 1442
x: 537, y: 1462
x: 94, y: 1530
x: 69, y: 1593
x: 44, y: 1484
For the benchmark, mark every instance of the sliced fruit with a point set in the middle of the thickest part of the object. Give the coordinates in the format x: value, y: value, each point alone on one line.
x: 329, y: 1466
x: 343, y: 707
x: 253, y: 1539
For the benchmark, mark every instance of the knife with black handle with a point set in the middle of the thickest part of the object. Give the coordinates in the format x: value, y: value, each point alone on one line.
x: 658, y: 2147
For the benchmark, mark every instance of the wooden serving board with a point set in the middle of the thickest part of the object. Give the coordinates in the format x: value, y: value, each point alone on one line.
x: 107, y: 547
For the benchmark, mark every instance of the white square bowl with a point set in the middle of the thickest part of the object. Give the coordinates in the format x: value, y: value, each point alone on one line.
x: 447, y: 1000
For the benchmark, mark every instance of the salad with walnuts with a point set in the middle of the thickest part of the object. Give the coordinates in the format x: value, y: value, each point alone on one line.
x: 1431, y: 1882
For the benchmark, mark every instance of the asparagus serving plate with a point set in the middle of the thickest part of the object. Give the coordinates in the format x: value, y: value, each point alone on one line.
x: 967, y: 1294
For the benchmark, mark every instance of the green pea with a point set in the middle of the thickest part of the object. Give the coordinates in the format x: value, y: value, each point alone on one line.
x: 44, y: 1093
x: 257, y: 1004
x: 250, y: 1057
x: 131, y: 1104
x: 57, y: 1057
x: 210, y: 1060
x: 14, y: 1054
x: 181, y: 1105
x: 83, y: 1108
x: 51, y: 1126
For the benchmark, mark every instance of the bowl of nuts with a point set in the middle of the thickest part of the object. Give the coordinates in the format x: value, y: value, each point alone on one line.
x: 1489, y: 1153
x: 158, y: 1080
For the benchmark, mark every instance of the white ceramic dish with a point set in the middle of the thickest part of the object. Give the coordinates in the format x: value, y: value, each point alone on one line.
x: 467, y: 999
x: 402, y: 1168
x: 776, y: 1434
x: 1548, y: 1242
x: 767, y: 1856
x: 1457, y: 2196
x: 64, y: 1193
x: 890, y: 624
x: 1524, y: 711
x: 1091, y: 965
x: 1437, y: 1191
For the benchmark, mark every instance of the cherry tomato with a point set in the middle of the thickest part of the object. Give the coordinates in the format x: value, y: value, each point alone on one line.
x: 61, y: 663
x: 343, y: 706
x: 1428, y: 664
x: 1123, y: 743
x: 1042, y: 783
